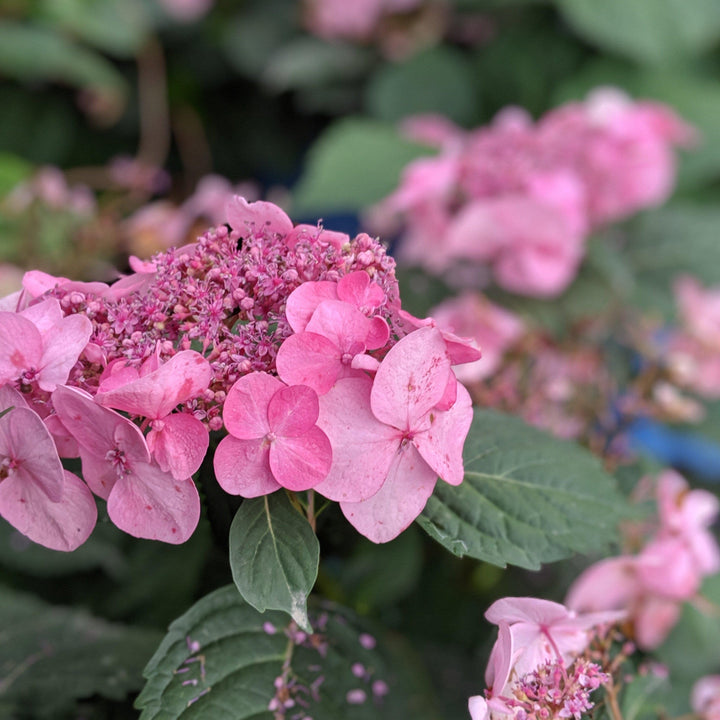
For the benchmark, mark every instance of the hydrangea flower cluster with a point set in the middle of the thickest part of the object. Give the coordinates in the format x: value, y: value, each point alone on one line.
x: 536, y: 668
x: 292, y: 338
x: 652, y: 584
x: 705, y: 697
x: 517, y: 199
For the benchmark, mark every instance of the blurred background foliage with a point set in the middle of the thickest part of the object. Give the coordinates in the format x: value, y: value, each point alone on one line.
x: 243, y: 89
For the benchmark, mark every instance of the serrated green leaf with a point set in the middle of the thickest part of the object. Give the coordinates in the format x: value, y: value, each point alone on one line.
x: 274, y: 556
x: 219, y: 662
x: 34, y: 53
x: 52, y: 656
x: 661, y: 32
x: 527, y: 497
x: 439, y: 80
x: 355, y: 163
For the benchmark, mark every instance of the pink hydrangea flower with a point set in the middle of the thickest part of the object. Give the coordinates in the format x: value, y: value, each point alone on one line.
x: 274, y: 440
x: 40, y: 345
x: 141, y: 499
x: 50, y: 505
x: 390, y: 441
x: 652, y: 585
x: 178, y: 441
x: 705, y: 697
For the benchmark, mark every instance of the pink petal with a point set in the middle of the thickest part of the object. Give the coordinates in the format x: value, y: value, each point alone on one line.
x: 309, y: 359
x: 450, y: 395
x: 478, y: 708
x: 341, y: 323
x: 9, y: 398
x: 99, y: 474
x: 303, y: 301
x: 411, y: 379
x: 610, y: 584
x: 242, y: 467
x: 410, y: 482
x: 526, y: 609
x: 44, y: 315
x: 293, y: 411
x: 25, y: 440
x: 441, y: 444
x: 180, y: 446
x: 245, y: 408
x: 62, y: 525
x: 258, y: 216
x: 183, y: 377
x: 98, y: 430
x: 67, y: 446
x: 362, y: 447
x: 299, y: 463
x: 21, y: 348
x: 357, y: 289
x: 501, y: 659
x: 148, y: 503
x: 63, y: 346
x: 378, y: 333
x: 653, y: 621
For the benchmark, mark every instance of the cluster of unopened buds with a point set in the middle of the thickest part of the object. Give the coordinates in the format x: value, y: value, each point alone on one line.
x: 292, y: 338
x: 515, y: 201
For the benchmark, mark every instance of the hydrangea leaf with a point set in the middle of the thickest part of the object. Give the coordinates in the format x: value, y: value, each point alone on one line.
x: 527, y: 498
x: 663, y: 32
x: 220, y: 660
x: 353, y: 164
x: 274, y: 556
x: 52, y: 656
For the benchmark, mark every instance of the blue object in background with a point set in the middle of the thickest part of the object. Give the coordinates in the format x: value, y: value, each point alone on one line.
x: 680, y: 449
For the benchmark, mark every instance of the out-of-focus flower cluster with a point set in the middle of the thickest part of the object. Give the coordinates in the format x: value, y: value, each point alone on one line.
x: 517, y: 200
x: 292, y: 337
x: 663, y: 567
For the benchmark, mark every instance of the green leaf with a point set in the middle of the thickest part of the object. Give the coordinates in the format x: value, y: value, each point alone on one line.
x: 308, y: 62
x: 527, y: 498
x: 355, y: 163
x: 30, y: 53
x: 691, y: 649
x: 660, y: 32
x: 13, y: 170
x: 644, y: 698
x: 679, y: 238
x: 439, y: 80
x: 52, y: 656
x: 118, y: 27
x: 274, y: 556
x: 233, y: 655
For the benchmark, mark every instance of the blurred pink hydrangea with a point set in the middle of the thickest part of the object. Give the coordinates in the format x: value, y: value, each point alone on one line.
x: 705, y: 697
x: 517, y: 199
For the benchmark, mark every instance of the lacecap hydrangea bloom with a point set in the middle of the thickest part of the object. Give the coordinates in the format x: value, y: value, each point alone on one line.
x: 290, y: 338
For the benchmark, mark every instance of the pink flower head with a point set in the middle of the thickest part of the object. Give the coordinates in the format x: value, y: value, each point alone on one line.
x: 51, y: 506
x: 274, y: 441
x: 531, y: 246
x: 539, y: 631
x: 493, y: 328
x: 142, y: 499
x: 40, y: 344
x: 178, y: 441
x: 699, y: 310
x: 390, y: 441
x: 705, y: 697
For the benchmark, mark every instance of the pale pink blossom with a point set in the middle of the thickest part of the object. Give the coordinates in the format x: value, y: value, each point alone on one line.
x: 50, y: 505
x: 40, y: 345
x: 177, y: 440
x: 274, y: 438
x: 142, y: 499
x: 390, y: 441
x: 705, y: 697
